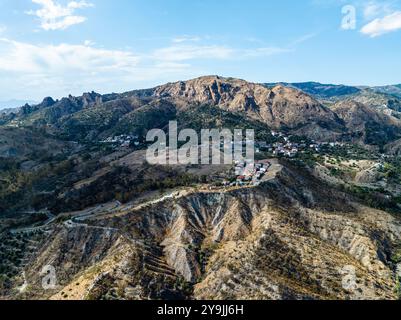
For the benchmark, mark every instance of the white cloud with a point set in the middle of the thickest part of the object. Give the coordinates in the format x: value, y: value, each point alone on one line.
x: 374, y: 9
x: 40, y: 70
x: 37, y: 70
x: 380, y: 26
x: 214, y: 52
x: 24, y: 57
x: 2, y: 29
x: 189, y: 52
x: 54, y: 16
x: 186, y: 38
x: 303, y: 39
x: 89, y: 43
x: 371, y: 10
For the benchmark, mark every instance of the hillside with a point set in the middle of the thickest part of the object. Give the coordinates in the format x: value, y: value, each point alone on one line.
x: 93, y: 116
x: 373, y: 126
x: 280, y: 107
x: 77, y: 194
x: 287, y: 239
x: 320, y: 90
x: 394, y: 90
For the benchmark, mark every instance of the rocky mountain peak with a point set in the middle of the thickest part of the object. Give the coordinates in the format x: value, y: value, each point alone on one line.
x: 91, y: 98
x: 47, y: 102
x: 276, y: 106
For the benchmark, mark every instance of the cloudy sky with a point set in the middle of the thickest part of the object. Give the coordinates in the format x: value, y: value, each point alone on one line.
x: 60, y: 47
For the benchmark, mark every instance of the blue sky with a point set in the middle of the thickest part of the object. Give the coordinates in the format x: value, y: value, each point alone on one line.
x: 61, y: 47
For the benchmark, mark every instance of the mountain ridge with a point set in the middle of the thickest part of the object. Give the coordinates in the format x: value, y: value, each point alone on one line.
x: 322, y: 204
x: 280, y: 107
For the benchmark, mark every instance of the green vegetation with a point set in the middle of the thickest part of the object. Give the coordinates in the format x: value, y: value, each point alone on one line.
x: 375, y: 198
x: 169, y: 182
x: 379, y: 135
x: 348, y: 152
x: 37, y: 188
x: 398, y: 287
x: 13, y: 251
x: 184, y: 287
x: 140, y: 121
x: 336, y: 172
x: 208, y: 117
x: 308, y: 159
x: 392, y: 169
x: 396, y: 256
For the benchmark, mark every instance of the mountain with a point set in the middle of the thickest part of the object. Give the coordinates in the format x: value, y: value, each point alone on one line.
x: 394, y: 148
x: 290, y: 238
x: 93, y: 114
x: 278, y: 107
x: 13, y: 104
x: 379, y: 97
x: 373, y: 126
x: 7, y: 111
x: 364, y: 108
x: 386, y: 103
x: 319, y: 90
x: 394, y: 90
x: 322, y: 221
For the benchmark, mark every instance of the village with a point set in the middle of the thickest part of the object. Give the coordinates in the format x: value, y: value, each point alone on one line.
x: 286, y: 148
x: 123, y: 141
x: 249, y: 174
x: 252, y: 174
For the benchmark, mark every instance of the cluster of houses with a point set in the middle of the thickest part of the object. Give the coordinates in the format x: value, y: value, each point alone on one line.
x: 283, y: 148
x: 249, y: 174
x: 124, y: 140
x: 289, y: 149
x: 14, y: 124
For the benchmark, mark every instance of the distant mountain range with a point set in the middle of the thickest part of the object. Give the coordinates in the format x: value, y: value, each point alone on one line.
x: 393, y: 90
x: 319, y: 89
x: 305, y: 109
x: 7, y: 105
x: 316, y: 89
x: 331, y: 90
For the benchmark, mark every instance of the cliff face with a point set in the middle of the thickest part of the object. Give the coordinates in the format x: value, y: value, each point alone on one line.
x: 278, y: 107
x: 290, y: 238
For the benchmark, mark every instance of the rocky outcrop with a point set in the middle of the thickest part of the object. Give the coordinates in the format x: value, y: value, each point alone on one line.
x: 278, y: 107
